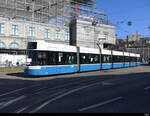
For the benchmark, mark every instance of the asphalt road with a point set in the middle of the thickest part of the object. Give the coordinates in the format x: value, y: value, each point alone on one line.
x: 124, y: 90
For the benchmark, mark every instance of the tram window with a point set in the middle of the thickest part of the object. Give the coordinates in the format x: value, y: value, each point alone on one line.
x: 138, y: 59
x: 65, y: 58
x: 39, y: 55
x: 118, y: 58
x: 44, y: 55
x: 121, y: 58
x: 89, y: 58
x: 94, y: 58
x: 127, y: 59
x: 30, y: 54
x: 133, y: 59
x: 74, y: 58
x: 51, y: 58
x: 83, y: 59
x: 70, y: 58
x: 33, y: 55
x: 36, y: 59
x: 106, y: 58
x: 60, y: 56
x: 41, y: 58
x: 97, y: 59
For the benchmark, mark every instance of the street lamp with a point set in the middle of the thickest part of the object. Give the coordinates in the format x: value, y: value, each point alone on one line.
x: 149, y: 30
x: 94, y: 23
x: 26, y: 43
x: 99, y: 42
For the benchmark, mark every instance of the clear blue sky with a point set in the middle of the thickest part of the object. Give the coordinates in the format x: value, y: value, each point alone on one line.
x: 137, y: 11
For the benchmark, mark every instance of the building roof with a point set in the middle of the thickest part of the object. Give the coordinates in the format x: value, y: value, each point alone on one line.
x: 145, y: 38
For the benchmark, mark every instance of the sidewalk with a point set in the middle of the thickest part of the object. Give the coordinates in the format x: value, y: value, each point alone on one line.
x: 22, y: 76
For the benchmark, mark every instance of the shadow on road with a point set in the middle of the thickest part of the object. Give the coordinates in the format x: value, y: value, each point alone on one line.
x: 20, y: 74
x: 83, y: 74
x: 145, y: 64
x: 23, y: 75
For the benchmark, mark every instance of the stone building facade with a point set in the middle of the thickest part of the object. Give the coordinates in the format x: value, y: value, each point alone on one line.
x: 134, y: 37
x: 14, y: 34
x: 86, y: 34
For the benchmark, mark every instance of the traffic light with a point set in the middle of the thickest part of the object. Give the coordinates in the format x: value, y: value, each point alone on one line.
x: 129, y: 23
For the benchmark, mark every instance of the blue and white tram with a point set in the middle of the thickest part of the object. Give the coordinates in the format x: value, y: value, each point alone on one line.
x: 52, y: 59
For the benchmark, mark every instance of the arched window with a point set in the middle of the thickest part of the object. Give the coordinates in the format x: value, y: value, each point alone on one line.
x: 14, y: 46
x: 2, y: 45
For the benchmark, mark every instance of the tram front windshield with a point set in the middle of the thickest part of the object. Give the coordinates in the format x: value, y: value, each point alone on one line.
x: 51, y: 58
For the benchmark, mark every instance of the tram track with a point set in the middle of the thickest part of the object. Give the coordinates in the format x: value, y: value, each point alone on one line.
x: 21, y: 91
x: 47, y: 101
x: 52, y: 98
x: 68, y: 92
x: 83, y: 82
x: 53, y: 93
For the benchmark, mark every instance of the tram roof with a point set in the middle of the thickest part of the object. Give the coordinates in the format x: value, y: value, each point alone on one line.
x: 45, y: 46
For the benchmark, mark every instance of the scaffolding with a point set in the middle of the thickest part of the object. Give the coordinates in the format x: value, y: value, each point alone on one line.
x: 58, y: 12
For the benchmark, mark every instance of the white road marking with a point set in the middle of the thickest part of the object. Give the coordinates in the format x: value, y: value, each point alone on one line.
x: 61, y: 96
x: 106, y: 83
x: 2, y: 103
x: 25, y: 108
x: 6, y: 99
x: 100, y: 104
x: 12, y: 101
x: 22, y: 109
x: 146, y: 88
x: 16, y: 90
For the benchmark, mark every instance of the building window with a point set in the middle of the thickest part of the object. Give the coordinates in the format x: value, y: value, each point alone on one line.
x: 96, y: 36
x: 31, y: 31
x: 57, y: 34
x: 14, y: 29
x: 1, y: 28
x: 106, y: 37
x: 47, y: 33
x: 14, y: 46
x: 2, y: 45
x: 67, y: 36
x: 87, y: 35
